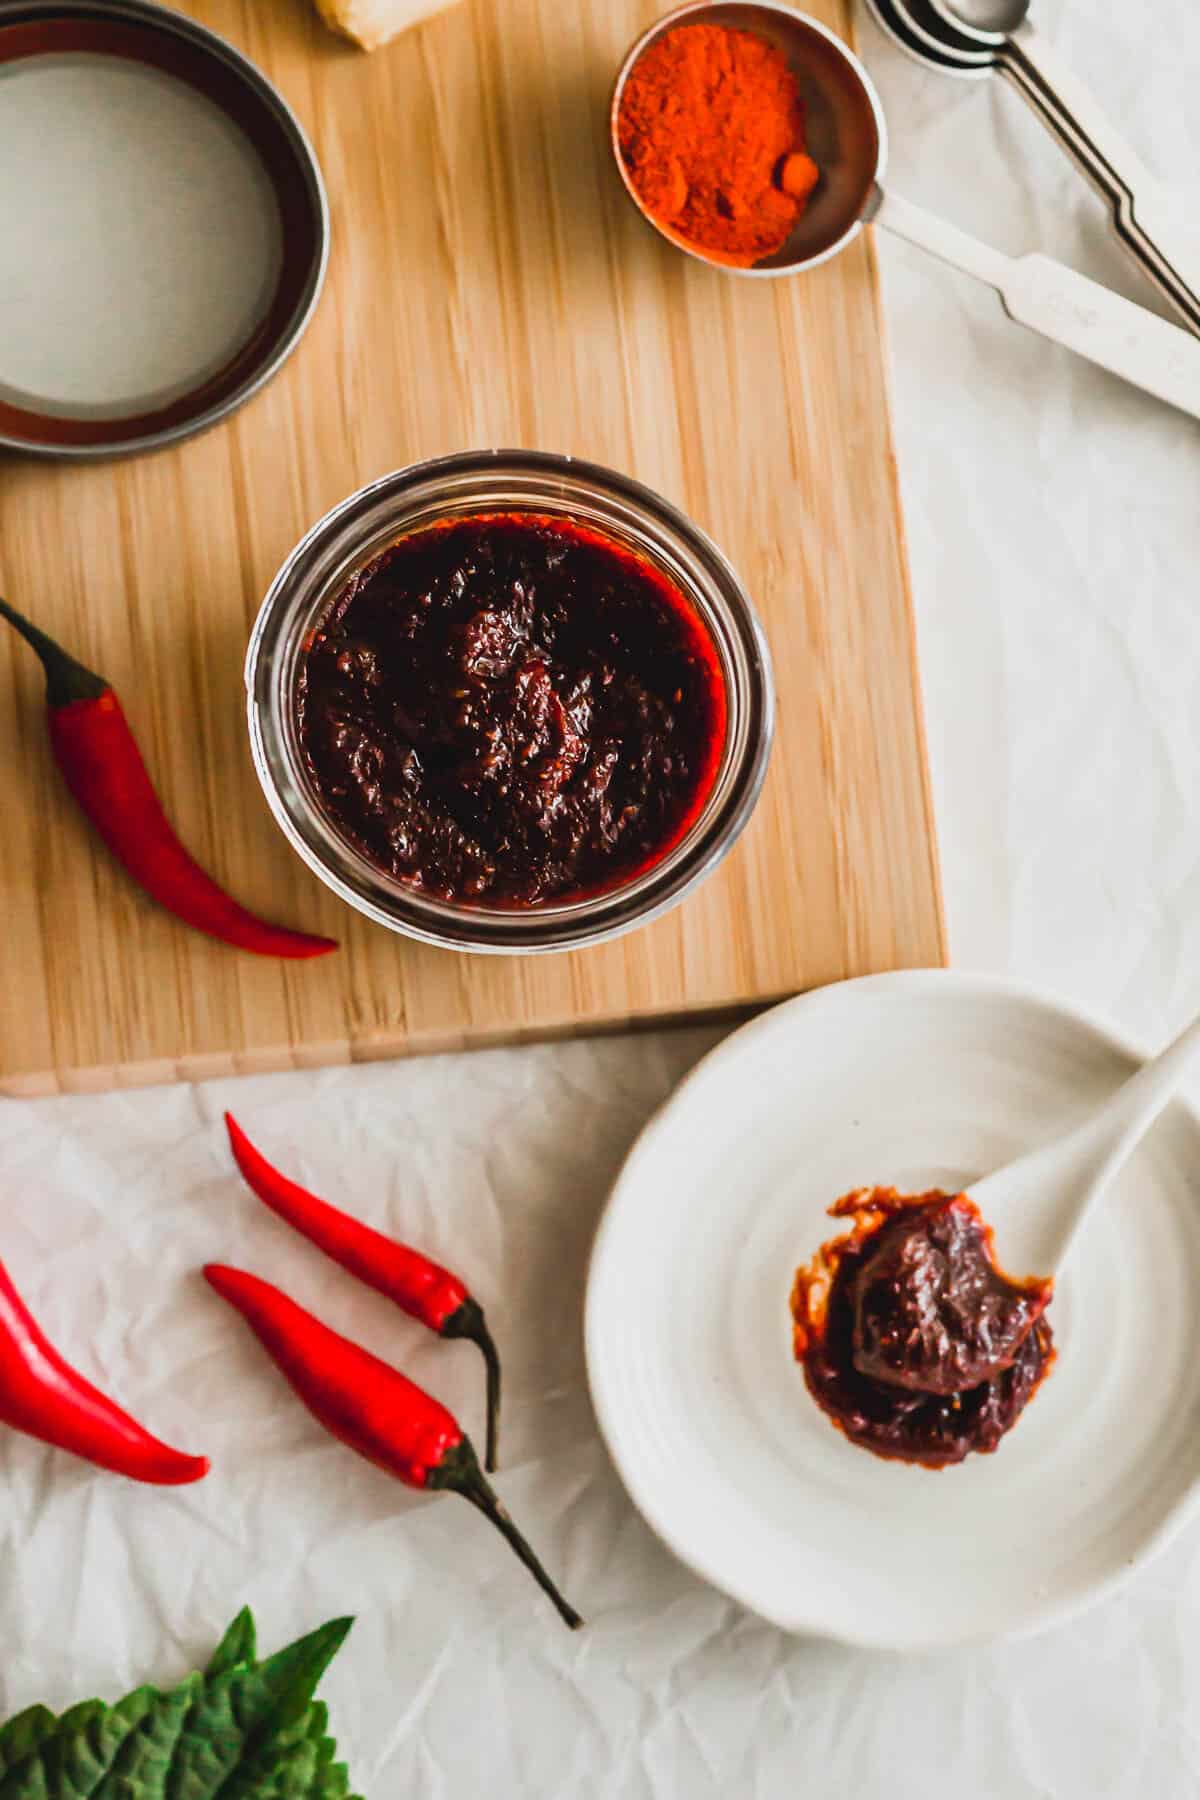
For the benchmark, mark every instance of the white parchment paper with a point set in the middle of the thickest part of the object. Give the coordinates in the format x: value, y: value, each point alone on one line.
x: 1055, y: 533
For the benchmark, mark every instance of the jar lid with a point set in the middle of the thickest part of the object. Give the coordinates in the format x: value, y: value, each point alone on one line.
x: 163, y: 227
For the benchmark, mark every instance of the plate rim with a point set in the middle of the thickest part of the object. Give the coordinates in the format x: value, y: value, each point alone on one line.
x: 1039, y: 1616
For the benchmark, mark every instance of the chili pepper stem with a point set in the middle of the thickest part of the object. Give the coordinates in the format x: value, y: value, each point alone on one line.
x: 467, y: 1321
x: 66, y: 679
x: 460, y: 1473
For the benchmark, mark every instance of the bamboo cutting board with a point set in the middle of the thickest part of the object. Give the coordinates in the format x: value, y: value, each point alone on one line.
x: 490, y: 285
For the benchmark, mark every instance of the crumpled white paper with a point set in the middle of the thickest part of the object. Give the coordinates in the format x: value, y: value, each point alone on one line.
x: 1055, y: 535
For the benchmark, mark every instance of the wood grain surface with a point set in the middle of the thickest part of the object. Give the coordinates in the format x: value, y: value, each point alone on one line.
x: 490, y: 285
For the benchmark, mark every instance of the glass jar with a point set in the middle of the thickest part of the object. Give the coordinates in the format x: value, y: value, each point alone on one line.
x: 488, y: 482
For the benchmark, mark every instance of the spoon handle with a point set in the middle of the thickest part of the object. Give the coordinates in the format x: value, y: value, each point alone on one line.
x: 1051, y: 68
x: 1163, y: 217
x: 1039, y: 1202
x: 1064, y: 306
x: 1138, y: 1101
x: 1087, y: 159
x: 1096, y: 1150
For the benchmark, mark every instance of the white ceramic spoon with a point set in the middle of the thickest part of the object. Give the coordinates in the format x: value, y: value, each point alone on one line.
x: 1038, y: 1203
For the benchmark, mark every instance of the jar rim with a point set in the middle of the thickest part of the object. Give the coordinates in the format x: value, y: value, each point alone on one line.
x: 511, y: 481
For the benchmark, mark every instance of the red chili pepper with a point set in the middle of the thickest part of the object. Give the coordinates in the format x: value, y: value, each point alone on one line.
x: 372, y: 1408
x: 419, y: 1287
x: 103, y: 767
x: 43, y: 1396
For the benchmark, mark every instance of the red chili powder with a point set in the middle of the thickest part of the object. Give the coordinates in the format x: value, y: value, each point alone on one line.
x: 711, y: 129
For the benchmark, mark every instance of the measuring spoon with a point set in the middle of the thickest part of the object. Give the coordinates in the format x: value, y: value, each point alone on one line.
x: 848, y: 139
x: 911, y: 25
x: 1148, y: 210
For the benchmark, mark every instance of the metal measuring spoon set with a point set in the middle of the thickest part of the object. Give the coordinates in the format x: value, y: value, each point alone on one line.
x: 977, y: 38
x: 847, y: 137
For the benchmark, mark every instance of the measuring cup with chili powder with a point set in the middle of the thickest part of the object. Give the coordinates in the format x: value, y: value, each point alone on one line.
x: 840, y: 128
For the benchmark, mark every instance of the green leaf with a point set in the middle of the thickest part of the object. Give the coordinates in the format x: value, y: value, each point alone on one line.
x: 295, y: 1672
x: 23, y: 1733
x: 239, y: 1645
x: 142, y: 1764
x: 296, y: 1764
x: 242, y: 1730
x: 69, y: 1763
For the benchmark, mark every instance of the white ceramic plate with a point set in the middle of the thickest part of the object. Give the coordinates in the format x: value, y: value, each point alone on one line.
x: 921, y: 1080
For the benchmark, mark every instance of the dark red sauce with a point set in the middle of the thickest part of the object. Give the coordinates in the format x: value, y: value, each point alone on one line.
x: 511, y: 708
x: 912, y: 1340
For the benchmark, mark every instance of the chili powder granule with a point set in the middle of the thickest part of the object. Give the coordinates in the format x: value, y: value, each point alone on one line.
x: 711, y: 130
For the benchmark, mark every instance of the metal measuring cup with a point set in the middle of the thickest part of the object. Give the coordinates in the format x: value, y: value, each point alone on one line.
x: 847, y: 136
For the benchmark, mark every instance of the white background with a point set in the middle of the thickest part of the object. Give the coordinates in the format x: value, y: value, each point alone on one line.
x: 1054, y: 522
